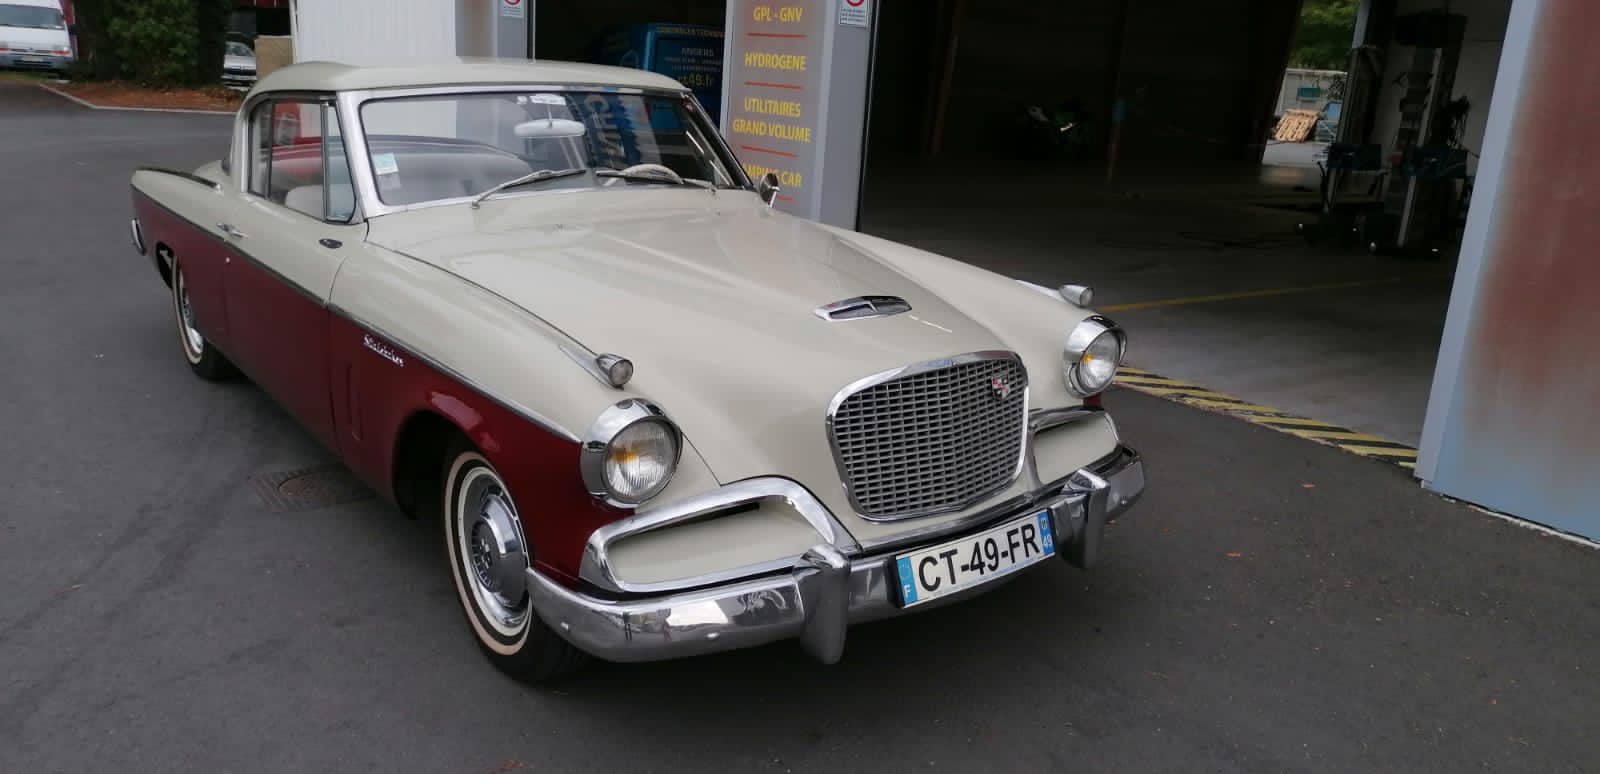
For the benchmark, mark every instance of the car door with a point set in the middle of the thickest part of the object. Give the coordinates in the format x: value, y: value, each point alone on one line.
x: 286, y: 240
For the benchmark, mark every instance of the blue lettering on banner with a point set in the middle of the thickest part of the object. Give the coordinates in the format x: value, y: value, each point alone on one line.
x: 908, y: 585
x: 1048, y: 539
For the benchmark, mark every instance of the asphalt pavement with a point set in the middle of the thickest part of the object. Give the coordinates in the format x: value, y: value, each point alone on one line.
x: 1271, y: 604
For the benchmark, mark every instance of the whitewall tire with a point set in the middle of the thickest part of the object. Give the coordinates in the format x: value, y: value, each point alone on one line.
x: 489, y: 558
x: 203, y: 357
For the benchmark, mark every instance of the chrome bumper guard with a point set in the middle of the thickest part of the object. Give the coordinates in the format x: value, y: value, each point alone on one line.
x: 820, y: 595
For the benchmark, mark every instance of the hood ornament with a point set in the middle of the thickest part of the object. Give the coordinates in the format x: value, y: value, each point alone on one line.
x: 862, y: 308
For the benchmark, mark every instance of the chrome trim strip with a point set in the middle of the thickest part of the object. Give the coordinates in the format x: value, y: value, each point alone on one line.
x: 814, y: 597
x: 917, y: 368
x: 596, y: 566
x: 506, y: 403
x: 193, y: 178
x: 1040, y: 420
x: 138, y: 236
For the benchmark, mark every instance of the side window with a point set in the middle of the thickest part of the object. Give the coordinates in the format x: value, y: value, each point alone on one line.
x: 297, y: 159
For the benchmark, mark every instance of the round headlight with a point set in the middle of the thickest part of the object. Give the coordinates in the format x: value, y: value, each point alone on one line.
x: 1092, y: 355
x: 630, y: 454
x: 640, y: 460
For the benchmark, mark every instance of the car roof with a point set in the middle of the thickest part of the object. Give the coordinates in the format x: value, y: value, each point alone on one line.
x: 457, y: 71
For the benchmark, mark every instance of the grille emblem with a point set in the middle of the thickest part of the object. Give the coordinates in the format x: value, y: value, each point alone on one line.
x: 1001, y: 388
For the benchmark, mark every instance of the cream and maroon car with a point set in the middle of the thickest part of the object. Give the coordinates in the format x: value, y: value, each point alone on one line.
x: 653, y: 417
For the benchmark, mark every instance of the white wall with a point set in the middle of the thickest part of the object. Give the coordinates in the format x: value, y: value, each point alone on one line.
x: 370, y: 31
x: 1480, y: 59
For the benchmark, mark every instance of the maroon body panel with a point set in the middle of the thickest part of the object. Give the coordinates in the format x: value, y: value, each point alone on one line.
x: 355, y: 391
x: 201, y: 254
x: 375, y: 396
x: 280, y: 338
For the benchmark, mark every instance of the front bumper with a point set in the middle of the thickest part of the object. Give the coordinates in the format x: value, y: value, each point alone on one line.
x: 821, y: 594
x: 14, y: 60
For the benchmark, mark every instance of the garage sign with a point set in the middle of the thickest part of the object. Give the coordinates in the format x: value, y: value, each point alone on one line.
x: 514, y: 8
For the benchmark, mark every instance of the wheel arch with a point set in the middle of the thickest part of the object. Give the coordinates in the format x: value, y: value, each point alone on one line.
x: 416, y: 471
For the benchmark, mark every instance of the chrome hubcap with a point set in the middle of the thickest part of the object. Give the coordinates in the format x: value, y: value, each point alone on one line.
x: 191, y: 335
x: 496, y: 554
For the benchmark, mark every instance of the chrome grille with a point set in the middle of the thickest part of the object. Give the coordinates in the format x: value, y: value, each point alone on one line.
x: 931, y: 438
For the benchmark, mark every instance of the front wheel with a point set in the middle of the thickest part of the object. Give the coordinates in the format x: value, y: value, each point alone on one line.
x: 489, y: 560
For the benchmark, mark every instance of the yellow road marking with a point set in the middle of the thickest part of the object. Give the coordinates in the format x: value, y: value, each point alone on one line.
x: 1337, y: 435
x: 1266, y: 416
x: 1264, y: 293
x: 1231, y: 406
x: 1379, y: 451
x: 1288, y: 420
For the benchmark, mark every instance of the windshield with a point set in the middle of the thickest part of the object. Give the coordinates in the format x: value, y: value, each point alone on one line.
x: 235, y: 48
x: 30, y: 16
x: 461, y: 145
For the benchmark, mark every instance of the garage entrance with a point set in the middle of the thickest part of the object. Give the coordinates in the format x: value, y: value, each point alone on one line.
x: 1115, y: 145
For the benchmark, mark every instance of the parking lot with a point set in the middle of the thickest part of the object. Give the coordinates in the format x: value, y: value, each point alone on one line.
x: 1270, y: 605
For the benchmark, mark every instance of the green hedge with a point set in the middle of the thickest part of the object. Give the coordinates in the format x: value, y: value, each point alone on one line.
x: 155, y: 42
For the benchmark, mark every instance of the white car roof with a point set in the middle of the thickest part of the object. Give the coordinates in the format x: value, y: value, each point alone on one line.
x: 458, y: 71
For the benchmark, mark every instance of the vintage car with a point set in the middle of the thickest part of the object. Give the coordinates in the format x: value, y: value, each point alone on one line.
x: 542, y: 304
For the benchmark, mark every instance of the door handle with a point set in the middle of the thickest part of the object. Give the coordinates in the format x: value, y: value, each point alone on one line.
x: 227, y: 228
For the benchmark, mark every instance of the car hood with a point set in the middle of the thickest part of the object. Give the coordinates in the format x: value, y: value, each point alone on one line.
x: 233, y: 62
x: 713, y: 298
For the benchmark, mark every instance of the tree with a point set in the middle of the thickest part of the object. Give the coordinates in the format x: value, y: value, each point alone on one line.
x: 1323, y: 40
x: 159, y: 42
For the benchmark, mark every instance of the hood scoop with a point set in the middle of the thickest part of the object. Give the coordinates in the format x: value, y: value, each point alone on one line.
x: 863, y: 308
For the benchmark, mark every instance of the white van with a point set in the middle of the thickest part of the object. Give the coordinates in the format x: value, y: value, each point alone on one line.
x: 33, y: 35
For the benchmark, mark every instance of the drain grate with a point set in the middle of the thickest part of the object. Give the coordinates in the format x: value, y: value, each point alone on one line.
x: 308, y: 489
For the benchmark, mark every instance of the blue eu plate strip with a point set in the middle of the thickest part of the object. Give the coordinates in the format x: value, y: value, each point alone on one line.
x: 1045, y: 535
x: 908, y: 588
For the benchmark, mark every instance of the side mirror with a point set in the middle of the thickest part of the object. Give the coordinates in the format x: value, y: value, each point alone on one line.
x: 768, y: 188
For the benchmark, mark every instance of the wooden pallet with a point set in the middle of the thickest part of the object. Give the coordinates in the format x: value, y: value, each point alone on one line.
x: 1295, y: 126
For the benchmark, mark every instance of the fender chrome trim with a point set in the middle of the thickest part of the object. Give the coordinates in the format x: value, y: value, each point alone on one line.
x: 596, y: 568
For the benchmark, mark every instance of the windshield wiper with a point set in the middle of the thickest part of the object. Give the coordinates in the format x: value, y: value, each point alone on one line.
x: 532, y: 177
x: 656, y: 175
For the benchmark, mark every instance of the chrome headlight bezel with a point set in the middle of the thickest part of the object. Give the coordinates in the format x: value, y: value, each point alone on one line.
x: 1079, y: 341
x: 597, y: 446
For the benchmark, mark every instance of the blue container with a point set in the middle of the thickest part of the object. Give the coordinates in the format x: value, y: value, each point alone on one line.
x: 690, y: 53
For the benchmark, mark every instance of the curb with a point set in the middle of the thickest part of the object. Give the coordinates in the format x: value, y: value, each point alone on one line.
x: 1324, y: 433
x: 85, y: 103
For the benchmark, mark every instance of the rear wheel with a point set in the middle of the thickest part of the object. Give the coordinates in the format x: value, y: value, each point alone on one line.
x: 489, y: 560
x: 204, y: 358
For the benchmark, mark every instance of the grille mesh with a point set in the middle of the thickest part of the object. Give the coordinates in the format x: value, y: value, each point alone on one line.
x: 932, y: 441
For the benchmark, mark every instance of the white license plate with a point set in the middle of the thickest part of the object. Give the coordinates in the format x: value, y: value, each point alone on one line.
x: 32, y: 59
x: 931, y: 573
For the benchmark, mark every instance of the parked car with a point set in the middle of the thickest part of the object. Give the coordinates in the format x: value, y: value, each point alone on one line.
x: 654, y: 417
x: 238, y: 65
x: 33, y: 36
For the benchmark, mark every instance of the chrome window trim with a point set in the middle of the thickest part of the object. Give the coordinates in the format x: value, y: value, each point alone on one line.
x: 596, y: 568
x: 612, y: 421
x: 361, y: 174
x: 910, y: 370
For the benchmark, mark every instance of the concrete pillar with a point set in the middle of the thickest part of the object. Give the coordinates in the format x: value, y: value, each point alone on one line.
x: 1512, y: 420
